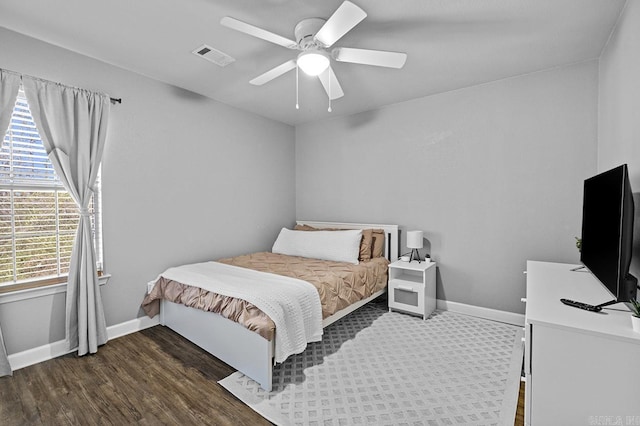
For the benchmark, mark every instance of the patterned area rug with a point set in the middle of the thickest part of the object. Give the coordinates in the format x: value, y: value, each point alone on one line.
x: 375, y: 367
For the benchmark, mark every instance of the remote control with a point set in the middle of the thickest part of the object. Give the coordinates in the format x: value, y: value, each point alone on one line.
x: 581, y: 305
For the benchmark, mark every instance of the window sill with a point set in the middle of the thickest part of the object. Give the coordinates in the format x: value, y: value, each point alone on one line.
x: 30, y: 293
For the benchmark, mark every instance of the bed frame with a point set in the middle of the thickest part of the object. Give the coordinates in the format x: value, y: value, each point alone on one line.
x: 245, y: 350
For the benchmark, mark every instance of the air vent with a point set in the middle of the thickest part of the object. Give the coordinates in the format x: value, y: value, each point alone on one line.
x: 213, y: 55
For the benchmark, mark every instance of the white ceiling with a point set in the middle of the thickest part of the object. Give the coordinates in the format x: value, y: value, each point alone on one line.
x: 450, y: 44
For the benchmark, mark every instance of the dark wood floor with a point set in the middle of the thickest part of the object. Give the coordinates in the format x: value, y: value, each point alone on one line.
x: 520, y: 413
x: 150, y: 378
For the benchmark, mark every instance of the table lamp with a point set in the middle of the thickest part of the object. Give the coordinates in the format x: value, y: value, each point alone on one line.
x: 414, y: 242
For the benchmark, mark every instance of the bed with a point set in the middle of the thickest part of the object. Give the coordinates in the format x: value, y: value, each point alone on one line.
x: 251, y: 349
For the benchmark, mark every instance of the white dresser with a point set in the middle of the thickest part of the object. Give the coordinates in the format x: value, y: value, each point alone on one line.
x: 582, y: 368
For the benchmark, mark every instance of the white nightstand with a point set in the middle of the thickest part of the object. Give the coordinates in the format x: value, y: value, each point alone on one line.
x: 412, y: 287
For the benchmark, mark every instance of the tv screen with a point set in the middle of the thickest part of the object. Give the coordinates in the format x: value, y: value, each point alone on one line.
x: 607, y: 231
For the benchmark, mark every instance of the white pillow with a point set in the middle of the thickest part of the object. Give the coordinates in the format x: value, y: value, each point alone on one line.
x: 339, y: 246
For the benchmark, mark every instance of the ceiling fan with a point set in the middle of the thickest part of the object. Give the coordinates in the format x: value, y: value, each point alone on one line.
x: 314, y: 37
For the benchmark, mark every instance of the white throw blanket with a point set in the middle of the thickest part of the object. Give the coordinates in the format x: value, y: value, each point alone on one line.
x: 292, y: 304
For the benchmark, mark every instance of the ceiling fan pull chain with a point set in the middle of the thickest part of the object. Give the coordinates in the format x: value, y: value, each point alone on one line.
x: 329, y: 90
x: 297, y: 105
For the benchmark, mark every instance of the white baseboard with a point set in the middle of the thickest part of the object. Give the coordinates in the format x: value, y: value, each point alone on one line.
x: 41, y: 353
x: 477, y: 311
x: 132, y: 326
x: 53, y: 350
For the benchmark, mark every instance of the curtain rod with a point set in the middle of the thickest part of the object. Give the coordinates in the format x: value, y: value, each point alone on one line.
x: 113, y: 100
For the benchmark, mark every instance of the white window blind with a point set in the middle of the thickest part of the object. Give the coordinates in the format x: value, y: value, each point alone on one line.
x: 38, y: 218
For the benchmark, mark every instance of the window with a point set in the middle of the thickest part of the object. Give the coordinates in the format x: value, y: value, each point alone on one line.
x: 38, y: 218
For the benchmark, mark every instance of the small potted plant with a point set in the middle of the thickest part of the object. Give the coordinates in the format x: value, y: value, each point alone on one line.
x: 635, y: 316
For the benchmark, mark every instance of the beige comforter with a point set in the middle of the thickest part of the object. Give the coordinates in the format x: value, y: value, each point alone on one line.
x: 339, y: 285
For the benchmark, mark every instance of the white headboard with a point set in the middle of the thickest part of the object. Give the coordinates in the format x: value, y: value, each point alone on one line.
x: 390, y: 231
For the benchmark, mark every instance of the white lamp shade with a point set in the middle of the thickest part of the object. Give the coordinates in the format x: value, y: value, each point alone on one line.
x: 313, y: 62
x: 414, y: 239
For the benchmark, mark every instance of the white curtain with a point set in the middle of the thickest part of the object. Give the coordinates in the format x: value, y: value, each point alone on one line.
x: 73, y: 127
x: 9, y: 85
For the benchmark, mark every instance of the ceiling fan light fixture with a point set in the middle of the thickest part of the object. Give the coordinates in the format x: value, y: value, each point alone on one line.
x: 313, y: 62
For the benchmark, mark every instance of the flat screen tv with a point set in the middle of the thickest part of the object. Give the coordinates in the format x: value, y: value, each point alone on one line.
x: 607, y: 234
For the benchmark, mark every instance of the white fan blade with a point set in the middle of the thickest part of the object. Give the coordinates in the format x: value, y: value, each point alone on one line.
x: 252, y: 30
x: 378, y: 58
x: 347, y: 16
x: 331, y: 84
x: 273, y: 73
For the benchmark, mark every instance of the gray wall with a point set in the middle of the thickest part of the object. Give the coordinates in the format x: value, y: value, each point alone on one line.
x: 185, y: 179
x: 492, y: 173
x: 619, y: 108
